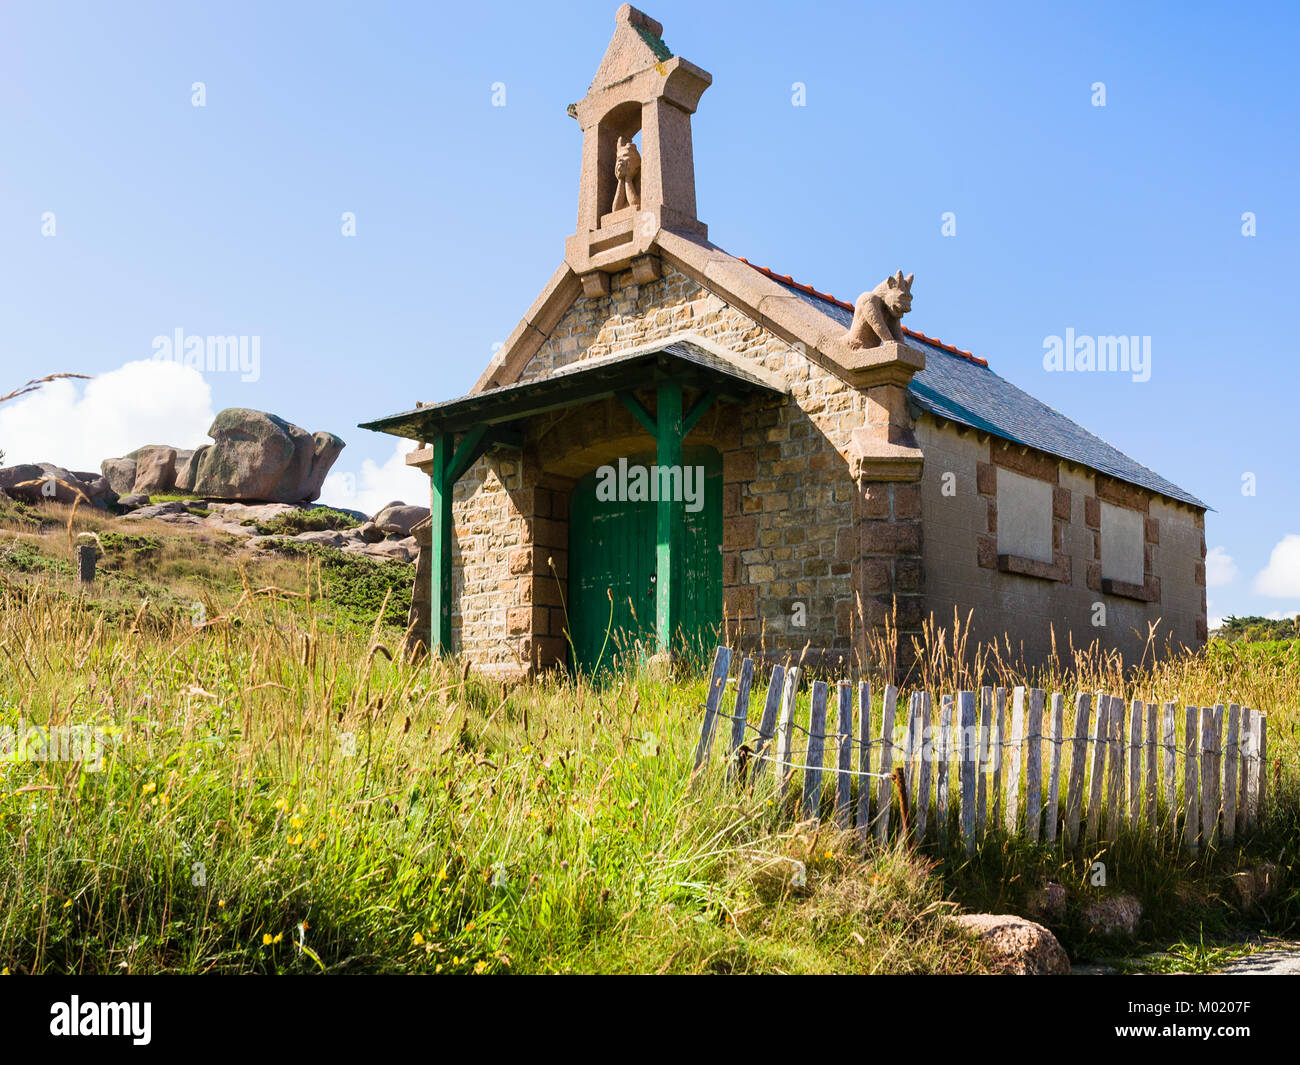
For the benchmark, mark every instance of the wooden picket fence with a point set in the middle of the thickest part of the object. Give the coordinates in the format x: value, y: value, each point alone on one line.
x: 968, y: 768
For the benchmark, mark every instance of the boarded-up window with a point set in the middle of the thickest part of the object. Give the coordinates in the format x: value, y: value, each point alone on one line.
x: 1122, y: 545
x: 1024, y: 516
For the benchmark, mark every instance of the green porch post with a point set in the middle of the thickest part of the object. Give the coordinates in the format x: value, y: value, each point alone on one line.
x: 671, y: 518
x: 440, y: 548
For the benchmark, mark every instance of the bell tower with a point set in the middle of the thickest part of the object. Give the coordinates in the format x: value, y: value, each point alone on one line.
x: 625, y: 194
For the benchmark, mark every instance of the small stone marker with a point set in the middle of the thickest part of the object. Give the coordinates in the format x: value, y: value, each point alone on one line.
x: 86, y: 563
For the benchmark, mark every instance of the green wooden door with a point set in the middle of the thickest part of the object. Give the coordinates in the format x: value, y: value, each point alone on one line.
x: 612, y: 568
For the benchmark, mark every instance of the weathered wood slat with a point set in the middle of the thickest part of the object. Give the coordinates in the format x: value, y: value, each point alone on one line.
x: 1230, y: 758
x: 1135, y: 723
x: 812, y: 776
x: 1054, y: 771
x: 843, y: 779
x: 999, y: 741
x: 982, y: 782
x: 1153, y: 772
x: 1100, y: 744
x: 1191, y: 794
x: 1245, y: 754
x: 864, y: 759
x: 785, y: 727
x: 740, y: 715
x: 1078, y: 767
x: 1014, y: 752
x: 967, y: 741
x: 767, y: 723
x: 1168, y: 740
x: 925, y: 754
x: 1034, y: 765
x: 910, y: 741
x: 943, y: 754
x: 1209, y: 798
x: 712, y: 701
x: 884, y: 797
x: 1261, y: 743
x: 1115, y: 790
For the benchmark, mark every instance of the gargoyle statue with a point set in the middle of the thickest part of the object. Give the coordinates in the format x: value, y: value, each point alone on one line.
x: 627, y: 171
x: 876, y: 314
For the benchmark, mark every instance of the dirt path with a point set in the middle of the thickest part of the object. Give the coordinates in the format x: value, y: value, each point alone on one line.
x: 1282, y: 962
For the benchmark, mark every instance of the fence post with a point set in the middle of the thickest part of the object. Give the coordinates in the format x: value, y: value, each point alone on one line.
x: 999, y: 745
x: 966, y: 722
x: 1100, y: 742
x: 1115, y: 792
x: 920, y: 798
x: 1245, y: 754
x: 1078, y: 766
x: 717, y: 686
x: 1013, y: 763
x: 982, y: 780
x: 910, y: 743
x: 1262, y: 745
x: 1170, y: 762
x: 1209, y: 769
x: 1034, y: 765
x: 767, y: 724
x: 942, y: 754
x: 864, y: 759
x: 843, y: 782
x: 883, y: 797
x: 1153, y: 716
x: 812, y: 776
x: 1230, y: 757
x: 1054, y: 775
x: 785, y: 727
x: 1191, y: 800
x: 1136, y: 719
x: 740, y: 715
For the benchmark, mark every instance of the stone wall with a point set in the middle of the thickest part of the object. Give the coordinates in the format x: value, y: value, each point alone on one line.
x: 802, y: 536
x: 962, y: 564
x: 788, y: 491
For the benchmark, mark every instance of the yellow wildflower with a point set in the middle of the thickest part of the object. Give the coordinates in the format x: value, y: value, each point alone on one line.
x: 417, y: 940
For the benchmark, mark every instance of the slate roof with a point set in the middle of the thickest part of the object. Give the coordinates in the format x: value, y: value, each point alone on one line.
x: 959, y: 386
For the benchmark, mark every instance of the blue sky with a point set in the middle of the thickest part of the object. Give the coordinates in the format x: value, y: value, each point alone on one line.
x: 226, y: 219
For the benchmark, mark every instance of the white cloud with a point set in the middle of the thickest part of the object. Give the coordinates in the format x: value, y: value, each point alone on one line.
x: 1282, y: 615
x: 1212, y: 620
x: 1219, y: 568
x: 78, y: 424
x: 376, y: 485
x: 1281, y: 577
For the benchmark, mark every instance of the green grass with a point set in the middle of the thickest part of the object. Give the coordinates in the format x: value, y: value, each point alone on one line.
x: 292, y: 522
x: 282, y: 791
x: 280, y: 797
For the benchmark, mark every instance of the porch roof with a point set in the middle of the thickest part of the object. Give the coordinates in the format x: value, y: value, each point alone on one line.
x: 687, y: 363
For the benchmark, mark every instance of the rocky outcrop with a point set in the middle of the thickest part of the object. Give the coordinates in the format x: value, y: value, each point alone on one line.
x: 254, y: 456
x: 398, y: 519
x: 44, y: 482
x: 120, y: 474
x: 155, y: 469
x: 1016, y: 946
x: 258, y: 456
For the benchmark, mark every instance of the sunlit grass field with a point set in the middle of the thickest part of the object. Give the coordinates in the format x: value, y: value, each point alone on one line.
x: 283, y: 790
